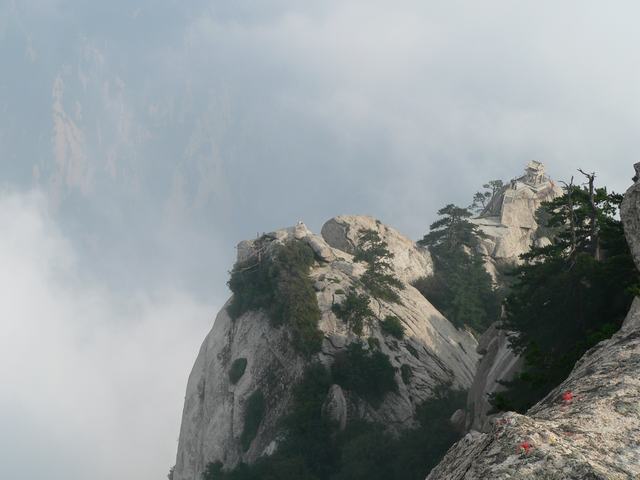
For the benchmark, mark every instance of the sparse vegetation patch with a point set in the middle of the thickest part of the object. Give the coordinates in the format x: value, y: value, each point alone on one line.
x: 279, y: 285
x: 313, y: 448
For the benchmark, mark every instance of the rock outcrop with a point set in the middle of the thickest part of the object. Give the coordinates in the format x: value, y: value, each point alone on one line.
x: 587, y: 428
x: 214, y: 410
x: 509, y: 221
x: 510, y: 227
x: 410, y: 262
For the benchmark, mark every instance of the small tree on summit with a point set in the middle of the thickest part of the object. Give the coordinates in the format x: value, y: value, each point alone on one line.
x: 482, y: 199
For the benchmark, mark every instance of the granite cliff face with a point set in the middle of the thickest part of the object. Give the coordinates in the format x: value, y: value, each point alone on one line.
x: 509, y: 221
x: 587, y: 428
x: 498, y: 363
x: 436, y: 352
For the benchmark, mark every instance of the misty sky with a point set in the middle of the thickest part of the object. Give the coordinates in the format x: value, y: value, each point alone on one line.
x: 141, y: 140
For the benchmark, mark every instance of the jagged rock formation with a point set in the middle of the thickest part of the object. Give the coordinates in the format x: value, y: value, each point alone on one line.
x: 510, y: 227
x: 590, y: 433
x: 509, y: 220
x: 214, y: 410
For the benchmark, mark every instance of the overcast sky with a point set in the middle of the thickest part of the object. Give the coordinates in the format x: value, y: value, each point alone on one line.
x: 141, y: 140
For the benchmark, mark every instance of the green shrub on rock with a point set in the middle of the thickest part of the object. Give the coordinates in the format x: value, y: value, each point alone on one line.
x: 374, y: 343
x: 406, y: 372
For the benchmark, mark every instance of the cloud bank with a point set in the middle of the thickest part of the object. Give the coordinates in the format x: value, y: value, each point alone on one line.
x: 91, y: 383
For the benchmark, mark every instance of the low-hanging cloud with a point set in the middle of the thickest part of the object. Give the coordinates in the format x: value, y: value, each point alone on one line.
x: 91, y: 384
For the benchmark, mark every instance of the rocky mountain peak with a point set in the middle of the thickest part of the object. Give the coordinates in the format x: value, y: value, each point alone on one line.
x: 250, y: 355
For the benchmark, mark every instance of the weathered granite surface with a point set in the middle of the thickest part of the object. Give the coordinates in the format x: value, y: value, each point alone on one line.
x: 509, y: 220
x: 436, y: 351
x: 587, y: 428
x: 410, y: 261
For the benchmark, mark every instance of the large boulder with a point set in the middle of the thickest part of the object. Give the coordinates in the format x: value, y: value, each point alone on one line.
x: 335, y: 407
x: 214, y: 409
x: 410, y: 261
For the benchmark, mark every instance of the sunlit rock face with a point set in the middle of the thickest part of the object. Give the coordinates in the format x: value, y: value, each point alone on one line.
x: 587, y: 428
x: 509, y: 220
x: 410, y: 262
x: 437, y: 352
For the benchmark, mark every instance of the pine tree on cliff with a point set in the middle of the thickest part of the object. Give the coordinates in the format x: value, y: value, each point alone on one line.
x: 378, y: 278
x: 482, y: 199
x: 460, y: 288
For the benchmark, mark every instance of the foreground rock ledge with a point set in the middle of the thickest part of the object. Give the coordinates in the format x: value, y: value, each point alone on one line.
x: 594, y: 436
